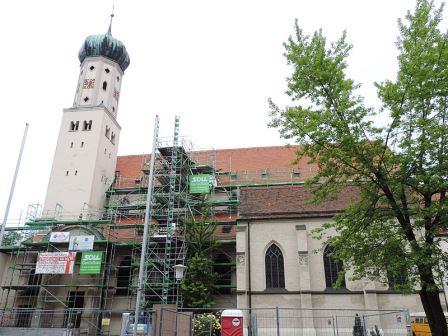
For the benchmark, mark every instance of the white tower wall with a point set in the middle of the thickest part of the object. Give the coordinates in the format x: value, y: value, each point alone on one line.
x: 94, y: 72
x: 86, y: 151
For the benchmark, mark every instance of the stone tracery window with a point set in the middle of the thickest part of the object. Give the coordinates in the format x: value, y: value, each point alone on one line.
x: 332, y: 267
x: 275, y: 270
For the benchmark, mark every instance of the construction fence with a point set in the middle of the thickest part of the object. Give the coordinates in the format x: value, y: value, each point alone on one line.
x: 207, y: 322
x: 287, y: 322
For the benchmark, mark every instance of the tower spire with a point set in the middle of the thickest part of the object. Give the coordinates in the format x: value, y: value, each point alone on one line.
x: 109, y: 31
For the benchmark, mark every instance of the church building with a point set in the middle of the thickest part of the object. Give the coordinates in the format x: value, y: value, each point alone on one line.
x: 76, y: 262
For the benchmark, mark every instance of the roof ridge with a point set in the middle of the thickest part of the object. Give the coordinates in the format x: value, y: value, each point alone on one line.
x: 143, y: 154
x: 259, y: 147
x: 226, y: 149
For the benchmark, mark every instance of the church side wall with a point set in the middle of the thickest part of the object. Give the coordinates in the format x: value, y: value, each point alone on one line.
x: 304, y: 271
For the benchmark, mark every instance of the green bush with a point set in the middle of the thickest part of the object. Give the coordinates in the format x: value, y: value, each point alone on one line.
x: 207, y: 324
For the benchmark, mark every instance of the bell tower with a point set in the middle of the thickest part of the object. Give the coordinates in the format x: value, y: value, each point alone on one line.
x: 86, y: 151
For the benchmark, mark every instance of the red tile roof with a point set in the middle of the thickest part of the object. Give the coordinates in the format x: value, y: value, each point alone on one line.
x: 291, y: 201
x: 237, y: 160
x: 131, y: 165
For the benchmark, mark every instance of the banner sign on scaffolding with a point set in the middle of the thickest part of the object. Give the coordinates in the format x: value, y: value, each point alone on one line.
x: 91, y: 262
x: 55, y: 262
x: 81, y: 243
x: 200, y: 183
x: 59, y: 237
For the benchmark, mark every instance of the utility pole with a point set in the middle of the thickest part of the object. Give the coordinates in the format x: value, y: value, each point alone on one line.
x: 13, y: 185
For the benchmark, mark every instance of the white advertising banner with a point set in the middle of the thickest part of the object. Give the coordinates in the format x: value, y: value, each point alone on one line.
x: 55, y: 262
x: 81, y: 243
x: 59, y: 237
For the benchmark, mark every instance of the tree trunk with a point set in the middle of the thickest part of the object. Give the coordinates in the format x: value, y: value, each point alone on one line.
x: 433, y: 308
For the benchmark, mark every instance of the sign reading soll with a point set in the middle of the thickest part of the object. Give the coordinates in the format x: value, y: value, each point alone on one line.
x: 200, y: 184
x: 91, y: 262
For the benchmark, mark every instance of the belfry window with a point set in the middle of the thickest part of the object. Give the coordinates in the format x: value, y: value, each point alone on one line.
x: 74, y: 125
x: 332, y: 267
x: 107, y: 133
x: 275, y: 270
x: 112, y: 138
x: 104, y: 86
x: 87, y: 126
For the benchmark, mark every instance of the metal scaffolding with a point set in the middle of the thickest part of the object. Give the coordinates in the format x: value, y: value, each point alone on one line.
x: 87, y: 301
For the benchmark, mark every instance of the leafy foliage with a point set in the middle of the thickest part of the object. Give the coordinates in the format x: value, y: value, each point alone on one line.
x: 200, y: 230
x: 400, y: 167
x: 207, y: 324
x: 198, y: 283
x: 11, y: 238
x: 375, y: 331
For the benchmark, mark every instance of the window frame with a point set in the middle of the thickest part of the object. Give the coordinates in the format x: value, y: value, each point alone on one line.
x: 274, y: 267
x: 332, y: 268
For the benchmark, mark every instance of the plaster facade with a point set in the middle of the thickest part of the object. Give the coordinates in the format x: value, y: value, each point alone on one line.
x: 305, y: 285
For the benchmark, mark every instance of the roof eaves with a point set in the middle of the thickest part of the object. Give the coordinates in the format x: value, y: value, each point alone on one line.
x: 310, y: 214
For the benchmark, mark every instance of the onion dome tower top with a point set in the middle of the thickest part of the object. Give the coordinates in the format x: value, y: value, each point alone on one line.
x: 105, y: 45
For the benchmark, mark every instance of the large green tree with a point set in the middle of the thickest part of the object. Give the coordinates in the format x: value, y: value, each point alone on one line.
x: 400, y: 164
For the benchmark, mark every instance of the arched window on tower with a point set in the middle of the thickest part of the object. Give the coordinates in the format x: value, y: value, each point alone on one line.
x: 124, y: 276
x: 223, y: 267
x: 332, y: 267
x: 87, y: 125
x: 104, y: 86
x: 275, y: 270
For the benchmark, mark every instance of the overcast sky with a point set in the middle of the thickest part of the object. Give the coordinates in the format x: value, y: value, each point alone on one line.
x: 214, y: 63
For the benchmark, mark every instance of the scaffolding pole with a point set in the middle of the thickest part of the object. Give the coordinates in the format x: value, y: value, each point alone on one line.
x: 13, y: 185
x: 142, y: 269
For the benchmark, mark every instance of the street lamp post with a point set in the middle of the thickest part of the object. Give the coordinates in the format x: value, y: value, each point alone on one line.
x: 180, y: 272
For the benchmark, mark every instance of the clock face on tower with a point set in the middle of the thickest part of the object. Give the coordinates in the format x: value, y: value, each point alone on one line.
x: 89, y: 83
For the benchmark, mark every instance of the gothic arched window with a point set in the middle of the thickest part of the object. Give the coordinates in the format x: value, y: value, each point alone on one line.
x: 275, y: 271
x: 332, y: 267
x: 396, y: 270
x: 397, y: 279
